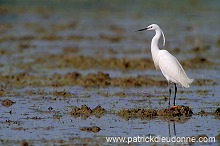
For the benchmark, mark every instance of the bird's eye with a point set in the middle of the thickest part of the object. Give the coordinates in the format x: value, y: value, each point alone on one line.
x: 151, y: 27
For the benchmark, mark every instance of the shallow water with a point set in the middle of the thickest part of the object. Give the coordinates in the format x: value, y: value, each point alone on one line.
x: 37, y: 39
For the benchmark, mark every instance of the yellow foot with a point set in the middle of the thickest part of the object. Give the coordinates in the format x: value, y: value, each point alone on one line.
x: 174, y: 106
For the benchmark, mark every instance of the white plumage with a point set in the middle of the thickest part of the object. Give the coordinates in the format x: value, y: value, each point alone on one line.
x: 166, y: 62
x: 172, y: 69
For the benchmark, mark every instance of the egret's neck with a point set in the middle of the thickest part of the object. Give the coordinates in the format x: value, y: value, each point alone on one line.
x: 155, y: 40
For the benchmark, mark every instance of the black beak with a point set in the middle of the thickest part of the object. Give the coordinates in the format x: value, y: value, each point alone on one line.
x: 142, y: 29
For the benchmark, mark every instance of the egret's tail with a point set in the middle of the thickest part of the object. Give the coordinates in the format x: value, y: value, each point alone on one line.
x: 187, y: 82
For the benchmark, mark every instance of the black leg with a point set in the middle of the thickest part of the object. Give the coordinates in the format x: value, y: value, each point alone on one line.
x: 169, y: 95
x: 174, y: 100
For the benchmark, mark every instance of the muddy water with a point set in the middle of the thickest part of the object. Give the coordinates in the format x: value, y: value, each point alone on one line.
x: 56, y: 56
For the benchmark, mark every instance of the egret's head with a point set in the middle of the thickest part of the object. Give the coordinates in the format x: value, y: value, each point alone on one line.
x: 154, y: 27
x: 150, y: 27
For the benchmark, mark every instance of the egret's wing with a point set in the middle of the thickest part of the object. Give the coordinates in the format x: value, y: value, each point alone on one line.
x: 172, y: 69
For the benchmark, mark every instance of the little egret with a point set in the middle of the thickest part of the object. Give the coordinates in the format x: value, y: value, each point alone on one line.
x: 167, y: 63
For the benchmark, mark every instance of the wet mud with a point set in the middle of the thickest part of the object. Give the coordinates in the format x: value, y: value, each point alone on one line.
x: 180, y: 110
x: 7, y: 102
x: 24, y: 143
x: 88, y: 62
x: 87, y: 111
x: 94, y: 129
x: 202, y: 112
x: 89, y: 80
x: 217, y: 112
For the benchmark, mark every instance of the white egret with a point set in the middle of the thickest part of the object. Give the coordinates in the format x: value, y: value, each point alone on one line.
x: 167, y: 63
